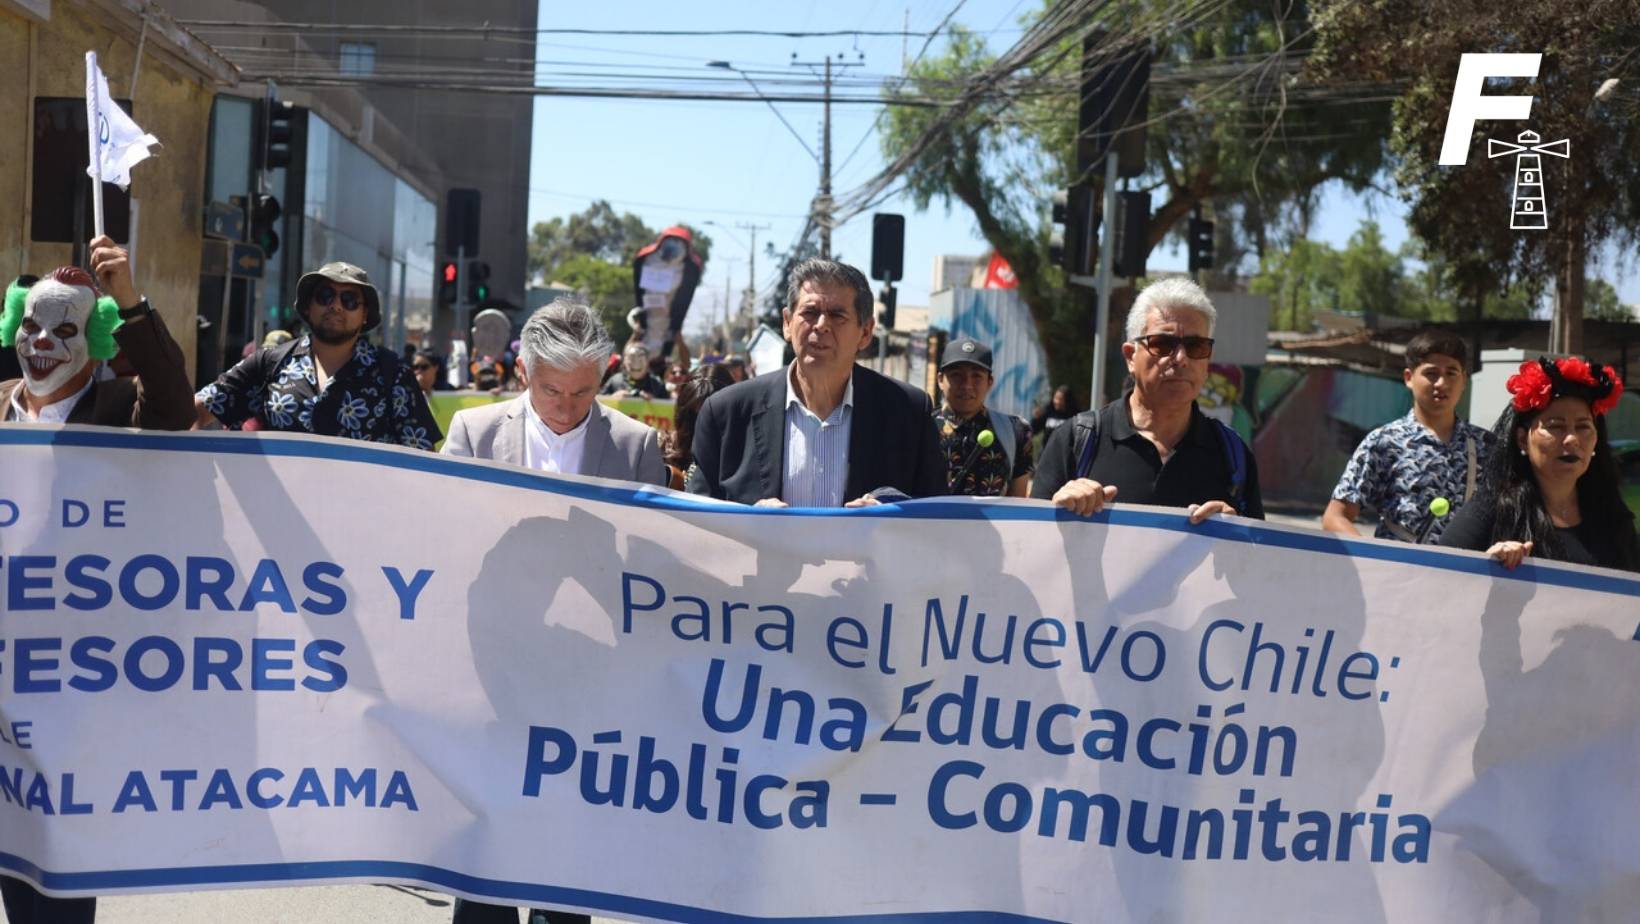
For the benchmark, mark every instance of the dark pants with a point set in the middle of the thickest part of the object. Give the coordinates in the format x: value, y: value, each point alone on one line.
x: 26, y: 905
x: 479, y: 913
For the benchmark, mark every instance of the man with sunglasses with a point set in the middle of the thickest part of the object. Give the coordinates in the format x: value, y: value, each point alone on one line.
x: 1153, y: 445
x: 331, y: 381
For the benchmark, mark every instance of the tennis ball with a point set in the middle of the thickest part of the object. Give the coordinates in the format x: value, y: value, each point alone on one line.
x: 986, y: 438
x: 1440, y: 506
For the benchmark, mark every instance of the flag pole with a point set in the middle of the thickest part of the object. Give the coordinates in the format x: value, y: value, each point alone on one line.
x: 94, y: 136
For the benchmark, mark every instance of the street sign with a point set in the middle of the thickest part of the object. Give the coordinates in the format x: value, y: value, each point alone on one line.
x: 225, y: 221
x: 213, y: 258
x: 246, y: 262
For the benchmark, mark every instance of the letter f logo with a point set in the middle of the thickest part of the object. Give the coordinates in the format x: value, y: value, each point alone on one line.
x: 1469, y: 105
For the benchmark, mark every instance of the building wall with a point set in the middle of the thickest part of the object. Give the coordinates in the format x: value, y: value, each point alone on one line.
x: 452, y: 139
x: 171, y: 101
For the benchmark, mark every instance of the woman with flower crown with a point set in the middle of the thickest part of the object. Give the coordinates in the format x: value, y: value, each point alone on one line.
x: 1552, y: 485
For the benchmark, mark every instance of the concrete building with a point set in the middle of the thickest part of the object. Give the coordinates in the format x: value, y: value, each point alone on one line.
x: 373, y: 152
x: 42, y: 180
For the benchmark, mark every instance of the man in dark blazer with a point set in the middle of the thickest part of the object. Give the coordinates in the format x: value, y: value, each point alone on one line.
x: 821, y: 432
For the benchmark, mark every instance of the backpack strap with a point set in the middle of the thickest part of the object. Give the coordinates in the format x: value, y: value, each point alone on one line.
x: 1469, y: 477
x: 1006, y: 431
x: 1235, y: 453
x: 1084, y: 442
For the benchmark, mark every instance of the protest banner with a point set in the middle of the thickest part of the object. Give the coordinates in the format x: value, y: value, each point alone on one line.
x: 240, y: 659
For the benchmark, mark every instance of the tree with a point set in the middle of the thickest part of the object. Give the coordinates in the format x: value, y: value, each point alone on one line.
x: 593, y: 251
x: 1601, y: 304
x: 1464, y: 212
x: 597, y: 232
x: 1217, y: 138
x: 608, y: 287
x: 1366, y: 277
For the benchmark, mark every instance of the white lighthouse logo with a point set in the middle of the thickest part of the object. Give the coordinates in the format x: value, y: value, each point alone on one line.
x: 1529, y: 210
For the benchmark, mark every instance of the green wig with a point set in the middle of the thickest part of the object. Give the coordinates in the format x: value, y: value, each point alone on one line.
x: 99, y: 329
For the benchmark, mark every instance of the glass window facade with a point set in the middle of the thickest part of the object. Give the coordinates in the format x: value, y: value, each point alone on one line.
x: 358, y: 59
x: 357, y: 210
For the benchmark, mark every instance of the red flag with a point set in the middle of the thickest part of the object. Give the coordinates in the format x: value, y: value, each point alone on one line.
x: 999, y: 275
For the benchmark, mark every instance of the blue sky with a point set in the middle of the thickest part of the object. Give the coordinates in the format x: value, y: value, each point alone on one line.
x: 732, y: 163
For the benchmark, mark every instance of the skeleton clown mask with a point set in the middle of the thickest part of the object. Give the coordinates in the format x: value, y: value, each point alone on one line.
x: 58, y: 325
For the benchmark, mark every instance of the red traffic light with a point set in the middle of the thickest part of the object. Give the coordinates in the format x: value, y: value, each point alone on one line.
x: 450, y: 272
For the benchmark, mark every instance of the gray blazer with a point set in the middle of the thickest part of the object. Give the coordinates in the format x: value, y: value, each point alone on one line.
x: 616, y: 445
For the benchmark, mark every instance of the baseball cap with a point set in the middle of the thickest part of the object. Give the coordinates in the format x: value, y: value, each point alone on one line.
x: 966, y: 350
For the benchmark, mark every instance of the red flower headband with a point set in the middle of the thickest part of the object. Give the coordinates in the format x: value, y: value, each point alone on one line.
x: 1542, y: 381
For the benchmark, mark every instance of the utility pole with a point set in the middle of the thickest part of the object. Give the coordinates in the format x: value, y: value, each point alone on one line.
x: 750, y: 306
x: 822, y: 201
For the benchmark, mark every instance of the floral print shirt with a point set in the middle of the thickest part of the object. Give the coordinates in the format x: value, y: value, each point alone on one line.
x: 374, y: 396
x: 990, y: 474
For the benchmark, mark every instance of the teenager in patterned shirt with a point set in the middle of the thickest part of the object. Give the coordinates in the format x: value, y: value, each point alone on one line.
x: 1401, y: 468
x: 1004, y: 468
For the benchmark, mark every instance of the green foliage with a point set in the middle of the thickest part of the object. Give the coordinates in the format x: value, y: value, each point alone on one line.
x: 1463, y: 213
x: 1367, y: 277
x: 597, y: 232
x: 592, y: 251
x: 1231, y: 129
x: 1600, y: 302
x: 608, y: 286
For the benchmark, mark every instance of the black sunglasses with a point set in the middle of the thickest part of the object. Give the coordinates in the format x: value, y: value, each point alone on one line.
x: 422, y: 367
x: 1166, y: 344
x: 324, y: 295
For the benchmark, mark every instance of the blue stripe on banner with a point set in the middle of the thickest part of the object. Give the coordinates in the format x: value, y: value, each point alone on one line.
x: 523, y: 893
x: 1251, y: 531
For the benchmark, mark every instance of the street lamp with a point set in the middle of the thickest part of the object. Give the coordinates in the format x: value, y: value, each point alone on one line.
x: 724, y: 65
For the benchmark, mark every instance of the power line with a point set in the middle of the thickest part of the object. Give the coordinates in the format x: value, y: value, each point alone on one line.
x: 335, y: 28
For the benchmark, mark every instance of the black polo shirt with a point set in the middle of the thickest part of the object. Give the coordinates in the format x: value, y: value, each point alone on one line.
x: 1198, y: 470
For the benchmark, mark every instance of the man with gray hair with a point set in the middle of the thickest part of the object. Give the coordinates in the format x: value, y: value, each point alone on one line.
x: 1153, y: 445
x: 822, y: 432
x: 557, y: 425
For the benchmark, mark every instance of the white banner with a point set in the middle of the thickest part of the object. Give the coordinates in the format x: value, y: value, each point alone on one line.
x: 235, y: 660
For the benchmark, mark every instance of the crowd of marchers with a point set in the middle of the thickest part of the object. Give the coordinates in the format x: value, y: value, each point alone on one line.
x: 825, y: 431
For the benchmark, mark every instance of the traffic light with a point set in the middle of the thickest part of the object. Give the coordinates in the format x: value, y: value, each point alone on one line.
x: 1071, y: 246
x: 264, y: 218
x: 478, y: 281
x: 887, y: 246
x: 1115, y: 105
x: 1200, y: 244
x: 447, y: 274
x: 276, y: 135
x: 1132, y: 230
x: 890, y: 297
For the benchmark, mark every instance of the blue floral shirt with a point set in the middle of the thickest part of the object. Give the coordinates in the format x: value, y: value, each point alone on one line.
x: 1401, y: 467
x: 372, y: 397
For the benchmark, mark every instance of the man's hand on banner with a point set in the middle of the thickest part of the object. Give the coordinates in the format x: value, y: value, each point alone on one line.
x: 112, y: 266
x: 1084, y: 496
x: 1200, y: 512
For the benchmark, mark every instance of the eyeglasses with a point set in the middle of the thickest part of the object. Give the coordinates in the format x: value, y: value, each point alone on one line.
x: 1166, y: 344
x: 351, y: 300
x: 422, y: 367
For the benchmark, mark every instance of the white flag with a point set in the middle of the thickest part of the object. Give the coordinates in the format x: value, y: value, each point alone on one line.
x: 117, y: 143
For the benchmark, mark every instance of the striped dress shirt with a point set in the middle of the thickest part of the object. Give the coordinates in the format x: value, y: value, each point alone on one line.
x: 816, y: 451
